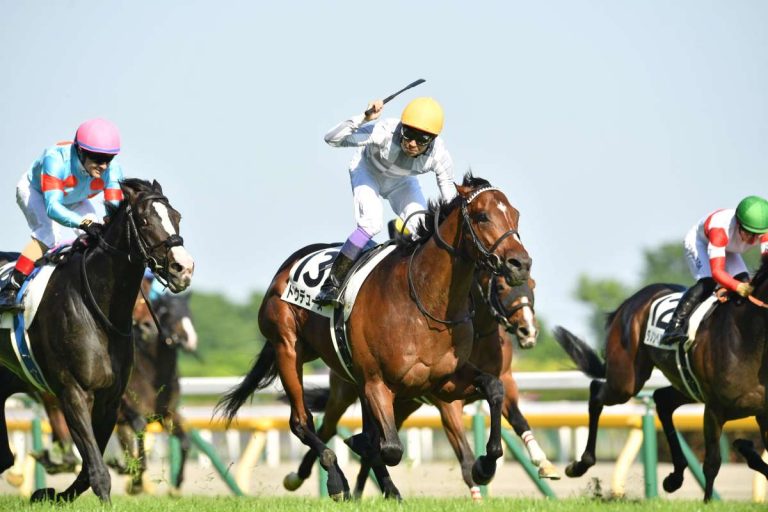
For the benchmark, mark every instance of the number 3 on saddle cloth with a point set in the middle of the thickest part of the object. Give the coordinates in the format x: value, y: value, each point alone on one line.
x: 310, y: 272
x: 30, y: 295
x: 658, y: 319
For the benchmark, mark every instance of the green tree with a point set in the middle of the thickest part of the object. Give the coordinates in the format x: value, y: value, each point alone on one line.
x: 228, y: 334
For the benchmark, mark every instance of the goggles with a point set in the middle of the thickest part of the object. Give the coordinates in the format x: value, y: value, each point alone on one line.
x: 419, y: 137
x: 97, y: 158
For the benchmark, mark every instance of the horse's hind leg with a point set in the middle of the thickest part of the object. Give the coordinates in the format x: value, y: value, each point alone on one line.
x: 667, y: 400
x: 523, y: 429
x: 451, y: 417
x: 341, y: 395
x: 289, y: 366
x: 713, y: 429
x: 747, y: 449
x: 9, y: 384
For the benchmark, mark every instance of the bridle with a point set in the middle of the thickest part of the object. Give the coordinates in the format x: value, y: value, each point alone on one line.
x: 488, y: 258
x: 161, y: 268
x: 497, y: 307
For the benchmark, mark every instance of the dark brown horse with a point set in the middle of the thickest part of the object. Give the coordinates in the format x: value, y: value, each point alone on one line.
x: 409, y: 331
x: 81, y: 333
x: 153, y: 392
x: 728, y: 362
x: 504, y: 314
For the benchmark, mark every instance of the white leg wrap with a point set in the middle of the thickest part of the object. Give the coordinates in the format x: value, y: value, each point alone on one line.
x: 534, y: 450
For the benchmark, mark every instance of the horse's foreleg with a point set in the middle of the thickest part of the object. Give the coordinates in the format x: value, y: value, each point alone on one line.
x: 485, y: 466
x: 713, y: 428
x: 523, y: 429
x: 380, y: 400
x: 667, y: 400
x: 747, y: 449
x: 451, y: 416
x: 289, y: 367
x: 172, y: 424
x: 370, y: 456
x: 76, y: 405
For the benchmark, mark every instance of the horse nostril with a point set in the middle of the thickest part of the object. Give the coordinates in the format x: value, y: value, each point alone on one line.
x: 524, y: 332
x: 514, y: 264
x: 176, y: 268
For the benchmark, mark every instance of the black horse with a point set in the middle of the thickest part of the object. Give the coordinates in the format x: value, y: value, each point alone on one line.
x: 728, y: 361
x: 153, y: 391
x: 81, y: 335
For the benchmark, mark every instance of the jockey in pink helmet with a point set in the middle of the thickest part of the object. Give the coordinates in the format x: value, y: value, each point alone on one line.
x: 54, y: 194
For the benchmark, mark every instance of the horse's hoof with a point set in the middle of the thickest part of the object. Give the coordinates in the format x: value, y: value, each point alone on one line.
x: 477, y: 496
x: 174, y: 492
x: 339, y: 496
x: 483, y: 470
x: 672, y: 482
x: 547, y: 470
x: 14, y: 479
x: 575, y: 469
x: 292, y: 481
x: 744, y: 446
x: 133, y: 487
x: 48, y: 494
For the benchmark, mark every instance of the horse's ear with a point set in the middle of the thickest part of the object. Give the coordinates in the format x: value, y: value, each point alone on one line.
x: 156, y: 187
x: 129, y: 192
x: 462, y: 190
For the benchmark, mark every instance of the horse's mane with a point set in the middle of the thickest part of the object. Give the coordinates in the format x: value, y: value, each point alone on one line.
x: 138, y: 185
x: 426, y: 228
x: 762, y: 273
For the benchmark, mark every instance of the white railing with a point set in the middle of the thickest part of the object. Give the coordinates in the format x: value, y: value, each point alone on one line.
x: 526, y: 381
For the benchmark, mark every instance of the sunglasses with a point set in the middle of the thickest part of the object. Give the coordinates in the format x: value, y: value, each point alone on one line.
x: 97, y: 158
x: 419, y: 137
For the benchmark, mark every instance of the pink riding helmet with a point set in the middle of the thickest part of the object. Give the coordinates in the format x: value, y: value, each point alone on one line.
x: 98, y: 136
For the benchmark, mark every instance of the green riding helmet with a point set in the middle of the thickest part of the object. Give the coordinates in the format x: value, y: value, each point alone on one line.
x: 752, y: 214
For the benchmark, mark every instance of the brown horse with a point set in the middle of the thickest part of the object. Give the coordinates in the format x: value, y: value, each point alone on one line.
x: 728, y: 362
x: 153, y: 391
x: 81, y: 335
x: 409, y: 331
x: 504, y: 313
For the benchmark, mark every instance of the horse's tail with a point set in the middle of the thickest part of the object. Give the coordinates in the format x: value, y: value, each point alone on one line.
x: 580, y: 352
x: 261, y: 375
x: 315, y: 399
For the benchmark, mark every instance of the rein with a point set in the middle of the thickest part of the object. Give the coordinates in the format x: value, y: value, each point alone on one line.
x: 147, y: 261
x: 488, y: 258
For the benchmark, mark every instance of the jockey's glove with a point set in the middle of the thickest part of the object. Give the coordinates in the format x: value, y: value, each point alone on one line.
x: 91, y: 227
x: 744, y: 289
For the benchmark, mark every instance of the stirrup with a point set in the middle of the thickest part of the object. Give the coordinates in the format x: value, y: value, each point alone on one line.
x: 670, y: 338
x: 8, y: 304
x: 328, y: 297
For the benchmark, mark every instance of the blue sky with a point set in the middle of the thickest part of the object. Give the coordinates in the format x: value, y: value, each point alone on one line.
x: 612, y: 126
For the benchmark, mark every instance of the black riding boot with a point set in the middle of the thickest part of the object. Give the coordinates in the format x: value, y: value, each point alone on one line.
x: 677, y: 330
x: 329, y: 292
x: 9, y: 291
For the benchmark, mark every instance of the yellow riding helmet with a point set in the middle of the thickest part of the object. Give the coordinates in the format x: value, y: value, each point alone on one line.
x: 424, y: 114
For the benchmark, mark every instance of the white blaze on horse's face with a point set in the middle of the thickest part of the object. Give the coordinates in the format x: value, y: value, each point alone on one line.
x: 190, y: 344
x: 182, y: 265
x: 526, y: 331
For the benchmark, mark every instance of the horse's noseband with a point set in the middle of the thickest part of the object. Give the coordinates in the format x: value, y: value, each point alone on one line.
x: 159, y: 266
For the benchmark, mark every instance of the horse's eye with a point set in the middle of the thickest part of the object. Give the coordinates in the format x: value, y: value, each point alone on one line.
x: 481, y: 217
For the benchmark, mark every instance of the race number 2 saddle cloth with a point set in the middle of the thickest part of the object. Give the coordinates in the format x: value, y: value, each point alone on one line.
x: 13, y: 326
x: 658, y: 319
x: 307, y: 277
